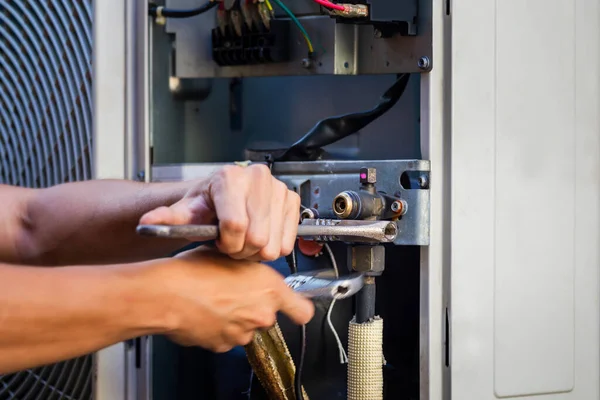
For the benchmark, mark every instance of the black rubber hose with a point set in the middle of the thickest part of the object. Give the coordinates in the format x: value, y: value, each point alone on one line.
x: 172, y: 13
x: 333, y: 129
x: 365, y: 302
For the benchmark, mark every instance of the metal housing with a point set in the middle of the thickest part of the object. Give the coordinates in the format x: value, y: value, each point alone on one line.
x: 509, y: 286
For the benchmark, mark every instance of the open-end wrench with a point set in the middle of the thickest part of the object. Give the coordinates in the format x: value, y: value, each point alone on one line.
x: 311, y: 229
x: 324, y: 284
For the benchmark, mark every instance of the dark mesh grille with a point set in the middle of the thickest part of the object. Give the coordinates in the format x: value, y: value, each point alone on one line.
x: 45, y: 91
x: 45, y: 136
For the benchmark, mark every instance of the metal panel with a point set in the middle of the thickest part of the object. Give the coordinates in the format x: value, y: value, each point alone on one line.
x: 320, y: 181
x: 525, y: 214
x: 435, y: 258
x: 538, y: 149
x: 120, y: 143
x: 372, y: 55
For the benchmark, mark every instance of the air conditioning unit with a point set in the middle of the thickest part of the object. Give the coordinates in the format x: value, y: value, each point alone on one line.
x: 490, y: 289
x: 46, y: 137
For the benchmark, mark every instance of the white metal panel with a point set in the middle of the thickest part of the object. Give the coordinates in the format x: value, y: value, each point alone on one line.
x: 109, y: 154
x: 525, y: 199
x: 534, y: 223
x: 120, y: 144
x: 435, y: 258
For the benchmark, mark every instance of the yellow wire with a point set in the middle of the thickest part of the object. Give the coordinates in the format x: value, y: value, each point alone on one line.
x: 298, y: 23
x: 269, y: 5
x: 308, y: 43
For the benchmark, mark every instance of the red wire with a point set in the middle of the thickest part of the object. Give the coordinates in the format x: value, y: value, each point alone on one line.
x: 329, y: 4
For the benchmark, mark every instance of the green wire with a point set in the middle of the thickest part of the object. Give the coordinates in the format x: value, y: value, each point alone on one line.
x: 298, y: 23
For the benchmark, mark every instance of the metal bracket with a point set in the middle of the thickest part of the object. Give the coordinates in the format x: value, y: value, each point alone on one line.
x: 319, y: 182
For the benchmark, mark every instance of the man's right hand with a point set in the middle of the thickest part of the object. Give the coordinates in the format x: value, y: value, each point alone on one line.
x: 217, y: 303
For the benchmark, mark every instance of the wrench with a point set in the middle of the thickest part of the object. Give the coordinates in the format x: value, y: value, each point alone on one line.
x: 311, y: 229
x: 324, y: 284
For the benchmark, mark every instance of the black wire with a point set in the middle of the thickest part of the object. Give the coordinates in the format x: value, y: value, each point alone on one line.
x: 293, y: 264
x: 298, y: 377
x: 171, y: 13
x: 333, y: 129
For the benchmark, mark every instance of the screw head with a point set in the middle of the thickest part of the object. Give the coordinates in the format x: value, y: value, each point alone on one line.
x: 368, y: 175
x: 306, y: 63
x: 378, y: 34
x: 423, y: 181
x: 399, y: 207
x: 423, y: 62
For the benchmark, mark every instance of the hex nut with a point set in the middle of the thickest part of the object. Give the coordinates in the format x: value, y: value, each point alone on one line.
x: 367, y: 259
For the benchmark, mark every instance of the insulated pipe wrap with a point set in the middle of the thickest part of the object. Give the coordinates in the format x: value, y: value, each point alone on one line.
x: 365, y: 360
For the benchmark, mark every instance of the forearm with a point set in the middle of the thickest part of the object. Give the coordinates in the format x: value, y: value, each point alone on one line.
x: 53, y: 314
x: 93, y: 222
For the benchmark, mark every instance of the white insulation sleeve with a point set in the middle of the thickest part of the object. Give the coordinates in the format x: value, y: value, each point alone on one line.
x: 365, y: 360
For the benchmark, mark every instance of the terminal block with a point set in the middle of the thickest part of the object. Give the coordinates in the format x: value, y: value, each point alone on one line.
x: 246, y: 46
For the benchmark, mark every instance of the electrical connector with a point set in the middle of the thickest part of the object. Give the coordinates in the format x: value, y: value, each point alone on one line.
x: 352, y: 11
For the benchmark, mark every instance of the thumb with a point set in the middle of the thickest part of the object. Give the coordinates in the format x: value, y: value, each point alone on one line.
x: 177, y: 214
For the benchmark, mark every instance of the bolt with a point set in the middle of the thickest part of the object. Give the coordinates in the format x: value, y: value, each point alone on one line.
x: 368, y: 175
x: 306, y: 63
x: 399, y: 207
x: 423, y: 181
x: 378, y: 33
x: 309, y: 213
x: 423, y: 62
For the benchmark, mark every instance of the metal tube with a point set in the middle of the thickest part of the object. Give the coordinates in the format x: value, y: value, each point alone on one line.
x: 365, y: 301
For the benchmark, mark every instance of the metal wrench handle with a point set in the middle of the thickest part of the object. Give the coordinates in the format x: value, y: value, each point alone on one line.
x: 312, y: 229
x: 324, y: 284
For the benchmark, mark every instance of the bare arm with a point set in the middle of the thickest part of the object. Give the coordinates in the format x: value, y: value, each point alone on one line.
x: 83, y: 223
x: 53, y: 314
x: 94, y: 222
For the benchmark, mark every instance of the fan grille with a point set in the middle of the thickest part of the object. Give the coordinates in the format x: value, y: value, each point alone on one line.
x: 45, y: 91
x: 45, y: 136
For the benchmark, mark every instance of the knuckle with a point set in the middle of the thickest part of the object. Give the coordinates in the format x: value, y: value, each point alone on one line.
x: 228, y: 172
x: 260, y: 169
x: 270, y: 253
x: 287, y: 246
x: 234, y: 226
x: 294, y: 199
x: 266, y: 320
x: 258, y: 239
x: 281, y: 187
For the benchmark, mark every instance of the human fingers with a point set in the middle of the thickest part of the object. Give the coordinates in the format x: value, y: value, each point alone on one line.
x: 272, y: 250
x: 290, y: 223
x: 259, y: 210
x: 297, y: 308
x: 228, y: 190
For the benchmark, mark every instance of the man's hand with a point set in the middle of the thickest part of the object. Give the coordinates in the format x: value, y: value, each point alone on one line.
x: 201, y: 298
x: 219, y: 304
x: 257, y: 214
